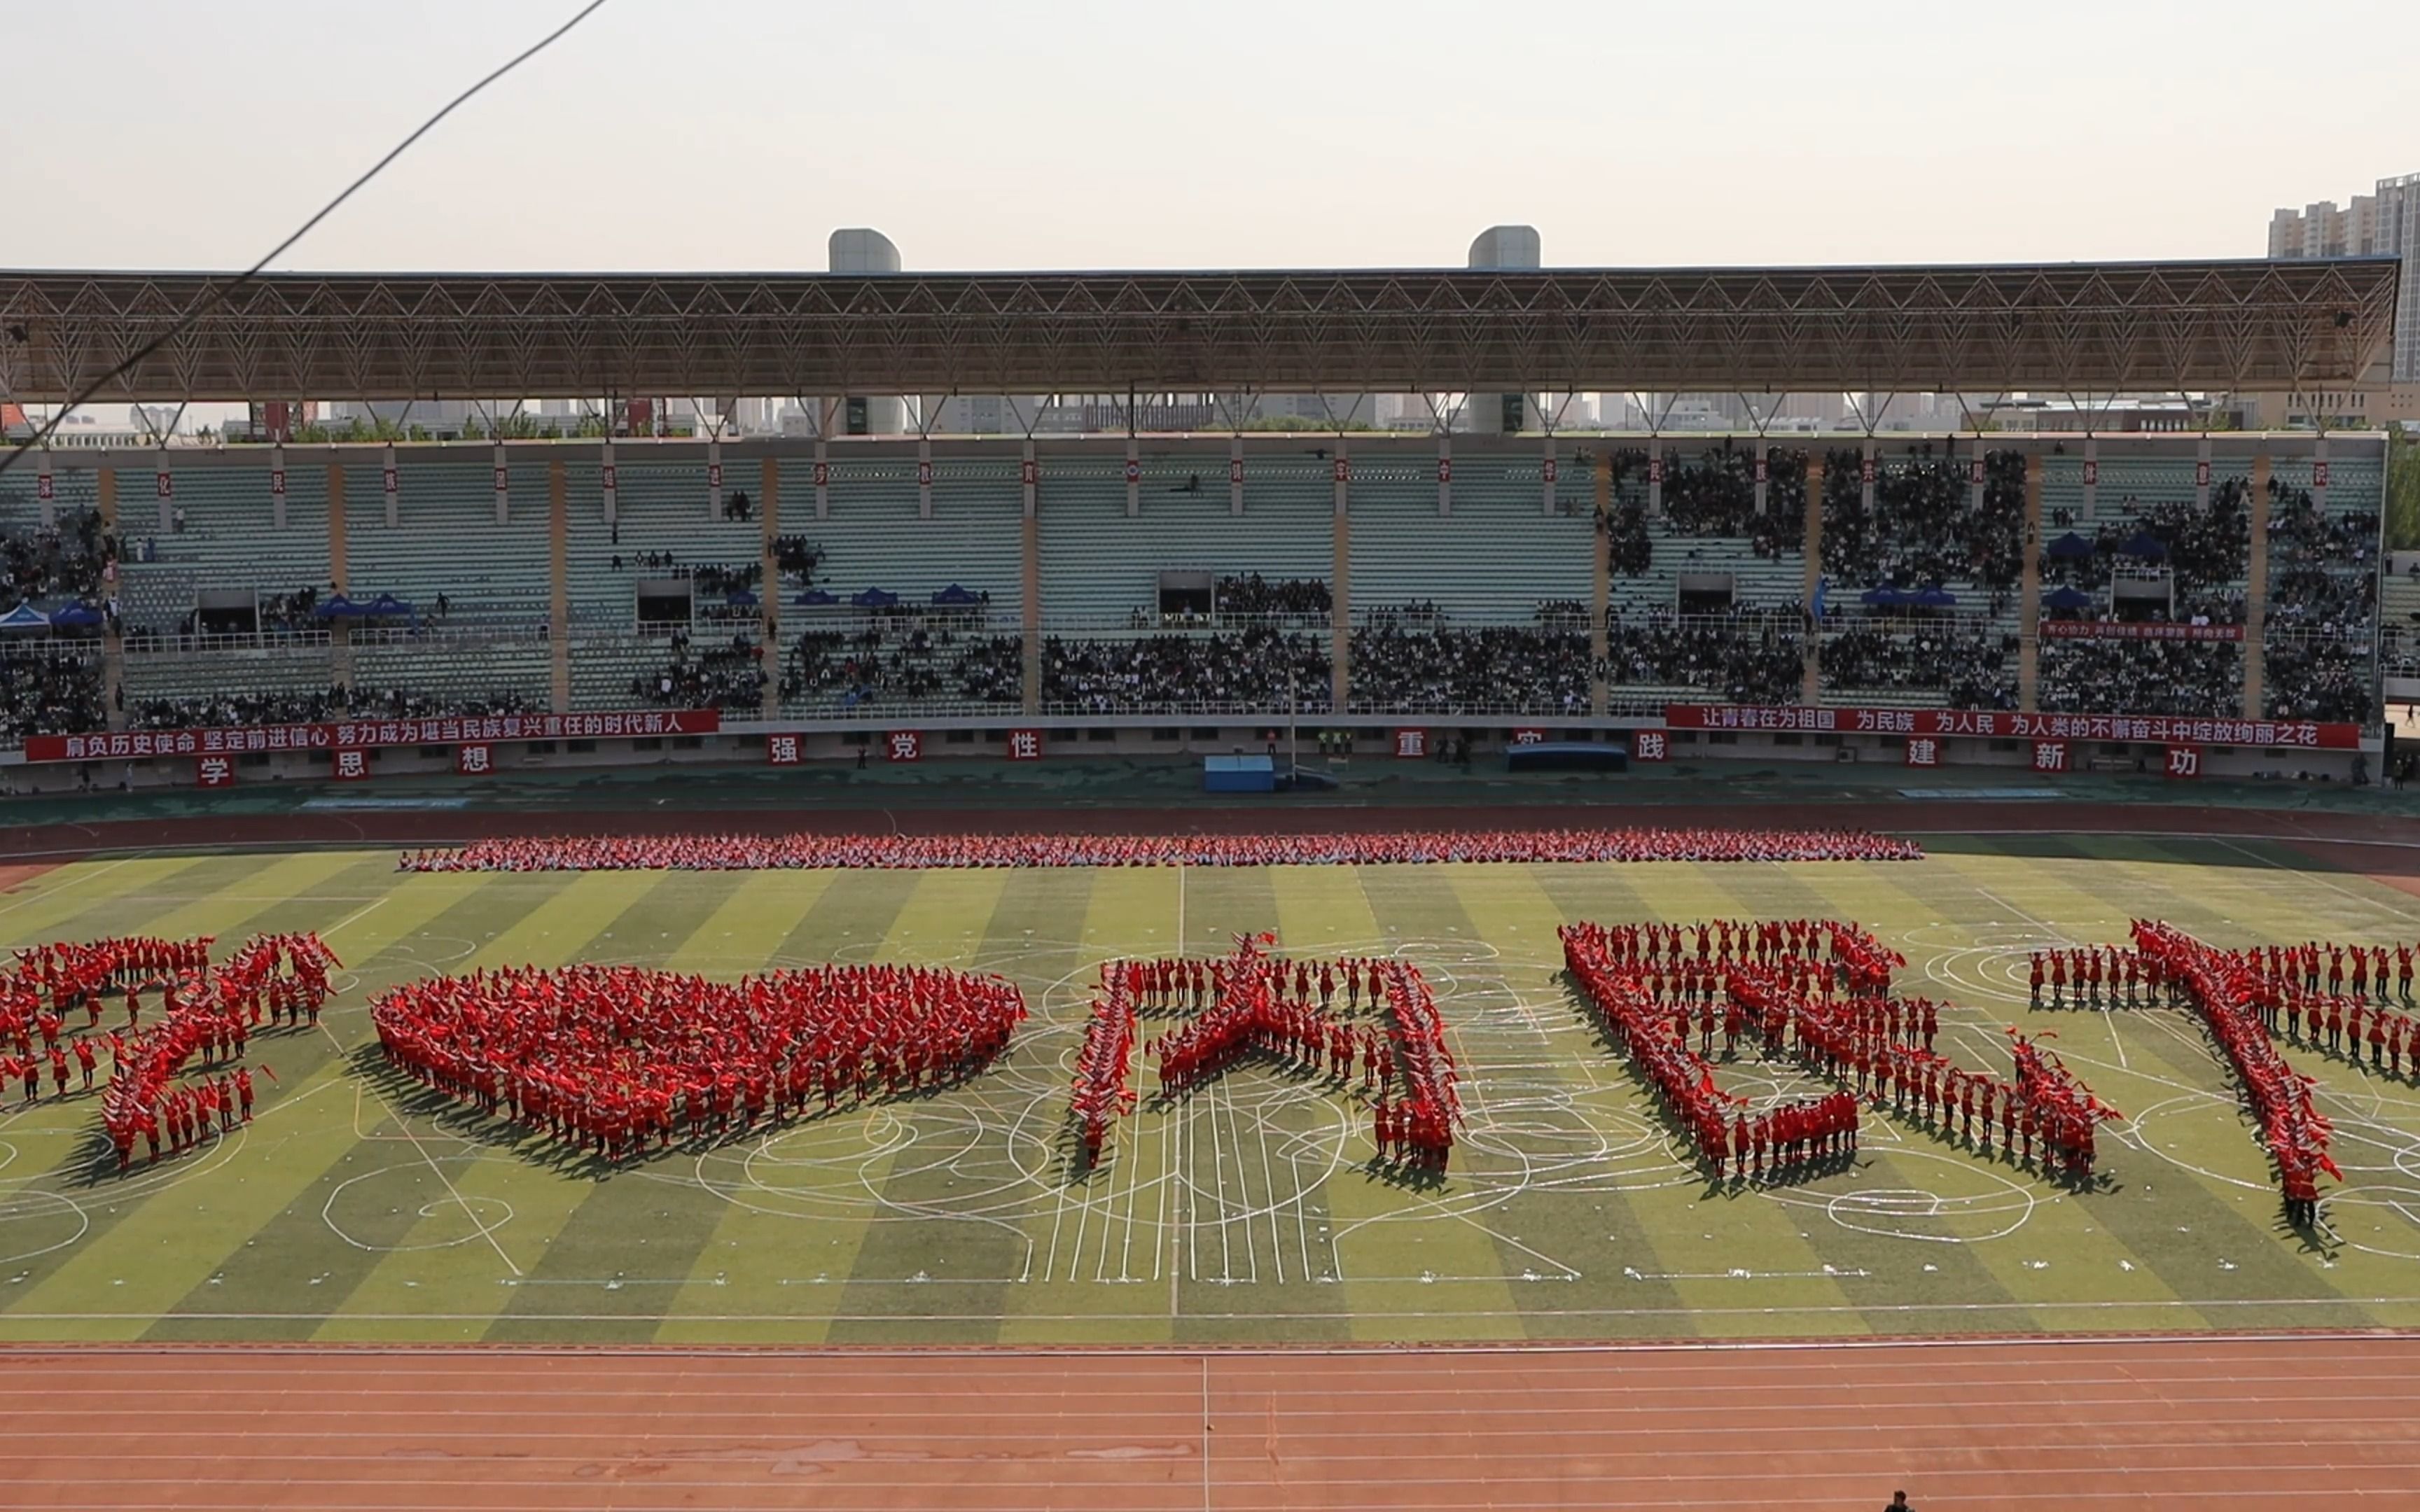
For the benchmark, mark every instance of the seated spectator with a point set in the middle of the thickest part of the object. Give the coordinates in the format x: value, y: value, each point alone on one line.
x: 46, y: 691
x: 1256, y: 669
x: 2203, y: 679
x: 1745, y: 655
x: 1970, y: 665
x: 1499, y: 669
x: 1922, y: 529
x: 1304, y: 597
x: 884, y: 666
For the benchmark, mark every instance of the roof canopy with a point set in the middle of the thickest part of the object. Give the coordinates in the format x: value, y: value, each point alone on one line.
x: 2066, y: 327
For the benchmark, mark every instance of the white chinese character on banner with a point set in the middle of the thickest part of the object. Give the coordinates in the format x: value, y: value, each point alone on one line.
x: 2184, y: 761
x: 351, y: 765
x: 2049, y: 756
x: 1651, y: 746
x: 781, y: 750
x: 1411, y: 743
x: 905, y: 746
x: 1024, y: 744
x: 474, y: 761
x: 1923, y: 750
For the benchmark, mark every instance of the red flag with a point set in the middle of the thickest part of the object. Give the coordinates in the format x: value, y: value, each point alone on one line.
x: 270, y: 1075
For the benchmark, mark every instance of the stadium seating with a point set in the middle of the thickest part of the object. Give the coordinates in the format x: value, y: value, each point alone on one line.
x: 1492, y: 560
x: 446, y: 541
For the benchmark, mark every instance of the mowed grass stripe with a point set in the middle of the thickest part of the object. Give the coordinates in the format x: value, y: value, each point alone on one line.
x: 1103, y: 1241
x: 1563, y: 1055
x: 922, y: 1254
x: 1702, y: 1237
x: 151, y: 1240
x: 62, y: 903
x: 474, y: 1198
x: 770, y: 1242
x: 633, y: 1240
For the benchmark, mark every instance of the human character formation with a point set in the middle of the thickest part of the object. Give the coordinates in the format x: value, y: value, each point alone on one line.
x: 198, y: 1017
x: 1256, y: 1004
x: 1817, y: 992
x: 615, y: 1061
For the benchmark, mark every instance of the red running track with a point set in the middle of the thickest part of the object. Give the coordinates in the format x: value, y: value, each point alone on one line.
x: 2199, y: 1421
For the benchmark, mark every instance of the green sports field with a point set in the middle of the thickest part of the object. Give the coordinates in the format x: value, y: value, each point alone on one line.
x: 355, y: 1209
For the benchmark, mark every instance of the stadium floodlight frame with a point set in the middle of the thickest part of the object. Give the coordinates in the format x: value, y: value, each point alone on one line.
x: 2247, y: 325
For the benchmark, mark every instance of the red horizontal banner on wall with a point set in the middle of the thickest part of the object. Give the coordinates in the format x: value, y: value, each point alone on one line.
x: 1981, y: 724
x: 364, y: 734
x: 2096, y: 630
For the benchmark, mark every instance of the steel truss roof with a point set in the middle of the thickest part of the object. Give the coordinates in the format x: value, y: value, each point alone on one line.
x: 2243, y: 324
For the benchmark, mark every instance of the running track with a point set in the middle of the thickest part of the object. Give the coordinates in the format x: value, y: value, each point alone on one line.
x: 2206, y: 1421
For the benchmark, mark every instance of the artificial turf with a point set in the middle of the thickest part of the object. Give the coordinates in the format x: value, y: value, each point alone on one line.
x: 357, y: 1207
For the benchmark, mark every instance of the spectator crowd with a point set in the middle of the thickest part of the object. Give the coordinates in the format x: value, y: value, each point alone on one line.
x: 888, y: 665
x: 1252, y: 669
x: 1251, y: 594
x: 1508, y: 669
x: 2200, y: 678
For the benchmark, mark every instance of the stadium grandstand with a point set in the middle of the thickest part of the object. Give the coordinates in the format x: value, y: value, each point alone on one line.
x: 1976, y: 596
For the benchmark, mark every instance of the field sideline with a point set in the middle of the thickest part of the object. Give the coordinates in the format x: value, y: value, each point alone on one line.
x: 356, y: 1210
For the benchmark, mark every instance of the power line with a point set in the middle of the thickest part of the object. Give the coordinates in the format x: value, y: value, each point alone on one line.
x: 222, y: 295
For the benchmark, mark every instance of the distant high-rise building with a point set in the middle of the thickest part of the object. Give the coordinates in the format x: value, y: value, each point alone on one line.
x: 2383, y: 225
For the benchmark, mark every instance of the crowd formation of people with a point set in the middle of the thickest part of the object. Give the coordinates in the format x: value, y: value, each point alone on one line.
x: 1257, y: 668
x: 1820, y: 992
x: 898, y: 850
x: 1774, y: 1142
x: 205, y: 1021
x: 613, y: 1061
x: 885, y: 665
x: 2227, y: 990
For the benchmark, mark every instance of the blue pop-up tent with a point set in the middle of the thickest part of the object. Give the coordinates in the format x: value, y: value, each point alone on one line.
x: 955, y: 597
x: 874, y: 598
x: 1933, y: 598
x: 25, y: 617
x: 2144, y: 544
x: 2069, y: 548
x: 338, y: 607
x: 815, y: 599
x: 388, y: 607
x: 740, y: 598
x: 2067, y: 598
x: 78, y: 617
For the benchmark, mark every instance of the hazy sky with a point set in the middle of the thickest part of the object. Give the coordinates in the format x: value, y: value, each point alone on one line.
x: 718, y: 134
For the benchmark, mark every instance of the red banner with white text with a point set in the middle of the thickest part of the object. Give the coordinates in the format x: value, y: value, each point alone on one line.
x: 1988, y: 725
x: 2118, y: 630
x: 366, y: 734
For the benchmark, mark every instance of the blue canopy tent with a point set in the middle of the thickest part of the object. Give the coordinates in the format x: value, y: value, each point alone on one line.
x: 388, y: 605
x: 78, y: 617
x: 1933, y: 598
x: 338, y: 607
x: 2067, y: 598
x: 25, y: 617
x: 876, y: 598
x: 2069, y: 548
x: 2144, y: 544
x: 815, y: 599
x: 740, y: 598
x: 1883, y: 597
x: 956, y: 596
